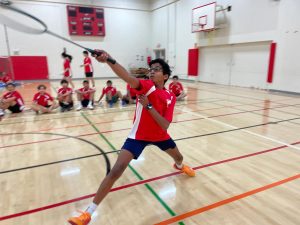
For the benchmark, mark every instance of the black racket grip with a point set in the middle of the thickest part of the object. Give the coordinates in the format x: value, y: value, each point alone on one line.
x: 98, y: 53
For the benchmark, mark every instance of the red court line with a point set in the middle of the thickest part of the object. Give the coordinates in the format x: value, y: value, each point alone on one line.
x: 110, y: 131
x: 227, y: 201
x: 54, y: 139
x: 81, y: 125
x: 141, y: 182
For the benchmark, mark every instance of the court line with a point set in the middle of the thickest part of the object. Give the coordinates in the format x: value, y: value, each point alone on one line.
x: 294, y: 114
x: 113, y: 110
x: 234, y: 127
x: 274, y: 118
x: 242, y: 96
x: 110, y: 131
x: 178, y: 139
x: 143, y: 182
x: 136, y: 173
x: 242, y: 111
x: 228, y: 200
x: 57, y: 162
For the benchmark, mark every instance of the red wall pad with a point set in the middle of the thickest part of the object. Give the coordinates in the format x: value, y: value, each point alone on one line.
x: 193, y: 62
x: 271, y: 62
x: 5, y: 66
x: 30, y: 67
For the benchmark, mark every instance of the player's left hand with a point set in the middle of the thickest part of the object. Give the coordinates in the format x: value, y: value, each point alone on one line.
x: 143, y: 100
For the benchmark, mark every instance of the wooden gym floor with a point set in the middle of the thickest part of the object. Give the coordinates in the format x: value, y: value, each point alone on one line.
x: 243, y: 143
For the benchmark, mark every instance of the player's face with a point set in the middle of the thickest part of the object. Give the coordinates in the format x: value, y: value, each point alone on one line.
x: 65, y: 85
x: 42, y: 90
x: 109, y: 84
x: 10, y: 88
x: 86, y: 85
x: 175, y: 80
x: 156, y: 74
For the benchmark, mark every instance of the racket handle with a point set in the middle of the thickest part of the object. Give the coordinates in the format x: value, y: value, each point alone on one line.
x: 98, y: 53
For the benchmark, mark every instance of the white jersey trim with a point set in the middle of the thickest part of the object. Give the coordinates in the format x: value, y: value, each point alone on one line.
x: 138, y: 115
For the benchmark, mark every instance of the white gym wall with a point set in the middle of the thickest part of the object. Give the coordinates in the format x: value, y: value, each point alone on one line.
x: 252, y: 25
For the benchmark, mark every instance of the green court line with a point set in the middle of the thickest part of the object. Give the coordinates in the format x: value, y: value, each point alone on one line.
x: 164, y: 204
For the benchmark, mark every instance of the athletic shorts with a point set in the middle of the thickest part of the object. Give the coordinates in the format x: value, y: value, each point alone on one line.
x: 89, y: 74
x: 85, y: 103
x: 15, y: 109
x: 136, y: 147
x: 114, y: 99
x: 63, y: 105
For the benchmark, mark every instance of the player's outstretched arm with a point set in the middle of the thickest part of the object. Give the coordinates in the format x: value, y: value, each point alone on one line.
x: 119, y: 70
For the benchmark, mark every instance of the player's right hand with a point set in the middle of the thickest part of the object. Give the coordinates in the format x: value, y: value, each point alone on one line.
x: 101, y: 56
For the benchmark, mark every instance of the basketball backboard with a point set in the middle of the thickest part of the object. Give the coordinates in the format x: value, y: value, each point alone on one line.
x: 204, y: 17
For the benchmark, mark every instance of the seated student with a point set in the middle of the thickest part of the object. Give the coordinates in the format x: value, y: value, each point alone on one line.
x: 42, y: 101
x: 85, y: 96
x: 11, y: 100
x: 112, y: 95
x: 65, y: 96
x: 177, y: 89
x: 130, y: 97
x: 5, y: 78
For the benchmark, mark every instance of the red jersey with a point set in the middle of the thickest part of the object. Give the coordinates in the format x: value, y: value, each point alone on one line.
x: 144, y: 126
x: 67, y: 65
x: 63, y: 91
x: 132, y: 91
x: 86, y: 95
x: 88, y: 68
x: 5, y: 78
x: 176, y: 88
x: 42, y: 99
x: 112, y: 90
x: 16, y: 95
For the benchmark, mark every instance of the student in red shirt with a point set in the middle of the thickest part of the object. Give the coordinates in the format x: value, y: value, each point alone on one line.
x: 88, y: 67
x: 42, y: 101
x: 67, y: 68
x: 153, y: 115
x: 11, y: 100
x: 85, y: 96
x: 177, y: 89
x: 65, y: 96
x: 130, y: 97
x: 111, y: 93
x: 5, y: 78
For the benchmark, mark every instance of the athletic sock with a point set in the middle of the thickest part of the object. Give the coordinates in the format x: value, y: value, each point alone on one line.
x: 179, y: 166
x: 91, y: 209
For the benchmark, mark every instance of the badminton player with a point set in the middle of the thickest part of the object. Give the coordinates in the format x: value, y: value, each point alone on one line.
x: 67, y: 68
x: 153, y: 115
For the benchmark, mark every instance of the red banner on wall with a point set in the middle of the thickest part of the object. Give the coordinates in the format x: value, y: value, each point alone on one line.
x: 193, y: 60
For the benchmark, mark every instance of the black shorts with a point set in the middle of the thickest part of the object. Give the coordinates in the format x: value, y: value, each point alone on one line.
x: 63, y: 105
x: 85, y: 102
x: 89, y: 74
x: 136, y: 147
x: 15, y: 109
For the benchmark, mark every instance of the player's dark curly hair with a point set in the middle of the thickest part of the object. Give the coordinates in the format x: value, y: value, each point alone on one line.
x: 165, y: 66
x: 41, y: 86
x: 64, y: 81
x: 65, y: 55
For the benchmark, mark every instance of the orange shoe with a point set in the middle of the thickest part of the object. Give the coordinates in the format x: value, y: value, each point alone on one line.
x: 187, y: 170
x: 83, y: 219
